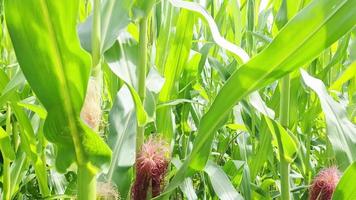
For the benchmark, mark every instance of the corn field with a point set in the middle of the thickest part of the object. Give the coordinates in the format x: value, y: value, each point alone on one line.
x: 178, y: 99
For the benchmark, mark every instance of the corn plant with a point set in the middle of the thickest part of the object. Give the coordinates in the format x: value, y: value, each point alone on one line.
x: 178, y: 99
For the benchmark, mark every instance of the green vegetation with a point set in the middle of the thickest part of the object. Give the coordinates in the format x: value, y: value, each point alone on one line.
x: 172, y: 99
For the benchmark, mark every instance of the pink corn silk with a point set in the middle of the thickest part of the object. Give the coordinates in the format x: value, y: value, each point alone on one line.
x: 151, y: 167
x: 324, y: 184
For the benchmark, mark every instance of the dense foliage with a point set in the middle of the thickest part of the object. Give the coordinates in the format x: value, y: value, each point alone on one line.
x: 171, y: 99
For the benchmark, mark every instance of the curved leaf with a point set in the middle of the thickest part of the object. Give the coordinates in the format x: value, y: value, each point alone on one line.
x: 346, y: 189
x: 173, y: 68
x: 315, y: 28
x: 240, y: 53
x: 341, y: 131
x: 348, y: 74
x: 122, y: 140
x: 5, y: 145
x: 58, y: 71
x: 114, y: 18
x: 221, y: 183
x: 289, y: 143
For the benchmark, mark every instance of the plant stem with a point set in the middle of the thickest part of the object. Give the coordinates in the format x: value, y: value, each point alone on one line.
x: 284, y: 120
x: 86, y: 183
x: 284, y: 171
x: 285, y: 100
x: 142, y: 67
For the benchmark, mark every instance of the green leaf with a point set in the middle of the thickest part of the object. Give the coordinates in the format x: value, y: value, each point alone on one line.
x: 341, y: 131
x: 221, y: 183
x: 114, y: 18
x: 257, y: 102
x: 122, y: 140
x: 303, y: 38
x: 346, y: 189
x: 262, y: 152
x: 173, y: 68
x: 218, y: 39
x: 187, y: 185
x: 38, y: 109
x: 140, y: 110
x: 57, y: 70
x: 27, y: 135
x: 143, y: 8
x: 14, y: 83
x: 5, y: 145
x: 289, y: 143
x: 348, y: 74
x: 122, y: 135
x: 122, y: 59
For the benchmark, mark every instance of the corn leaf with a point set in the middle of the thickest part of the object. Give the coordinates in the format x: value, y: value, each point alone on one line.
x: 5, y: 145
x: 176, y: 60
x: 341, y: 131
x: 221, y: 183
x: 58, y: 71
x: 289, y: 143
x: 346, y: 189
x: 348, y: 74
x: 114, y: 18
x: 303, y: 38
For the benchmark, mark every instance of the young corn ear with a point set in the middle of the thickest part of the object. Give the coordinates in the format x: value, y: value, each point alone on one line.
x: 106, y: 191
x: 151, y: 167
x: 324, y: 184
x: 91, y: 111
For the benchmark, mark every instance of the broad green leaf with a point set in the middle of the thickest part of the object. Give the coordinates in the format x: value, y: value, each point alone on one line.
x: 140, y: 111
x: 176, y: 60
x: 341, y: 131
x: 262, y: 152
x: 289, y: 143
x: 177, y: 102
x: 5, y: 145
x: 58, y: 71
x: 122, y: 135
x: 14, y: 83
x: 346, y: 188
x: 303, y: 38
x: 114, y: 18
x: 187, y: 185
x: 122, y: 140
x: 348, y: 74
x: 143, y: 8
x: 240, y: 176
x: 10, y: 86
x: 234, y: 10
x: 122, y: 59
x: 221, y: 183
x: 40, y: 111
x: 240, y: 53
x: 154, y: 81
x: 29, y: 103
x: 27, y: 135
x: 257, y: 102
x: 18, y: 170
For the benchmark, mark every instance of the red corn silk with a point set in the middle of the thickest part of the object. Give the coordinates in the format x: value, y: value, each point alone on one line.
x: 324, y: 184
x: 151, y: 167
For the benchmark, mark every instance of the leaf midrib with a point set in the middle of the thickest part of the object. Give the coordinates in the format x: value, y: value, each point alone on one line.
x: 64, y: 92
